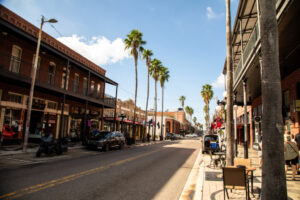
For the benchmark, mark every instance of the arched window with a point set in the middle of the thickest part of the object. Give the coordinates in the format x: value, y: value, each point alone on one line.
x: 52, y: 68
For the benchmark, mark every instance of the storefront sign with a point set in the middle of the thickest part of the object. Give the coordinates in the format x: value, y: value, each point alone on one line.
x: 38, y: 104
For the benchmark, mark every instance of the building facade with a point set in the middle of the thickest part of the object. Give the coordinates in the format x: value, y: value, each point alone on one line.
x: 246, y: 45
x: 123, y: 120
x: 69, y: 96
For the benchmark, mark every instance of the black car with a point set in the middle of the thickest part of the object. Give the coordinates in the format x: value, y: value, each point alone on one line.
x: 104, y: 140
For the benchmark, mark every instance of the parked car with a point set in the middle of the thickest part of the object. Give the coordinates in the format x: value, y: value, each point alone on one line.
x: 169, y: 136
x: 210, y: 142
x: 178, y: 137
x: 105, y: 141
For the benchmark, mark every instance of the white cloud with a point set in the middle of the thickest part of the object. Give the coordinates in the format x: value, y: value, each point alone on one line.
x: 98, y: 49
x: 219, y: 83
x: 210, y: 13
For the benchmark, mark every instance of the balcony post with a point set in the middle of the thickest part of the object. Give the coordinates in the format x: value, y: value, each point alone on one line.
x: 64, y: 100
x: 258, y: 17
x: 245, y: 119
x: 115, y: 114
x: 85, y: 110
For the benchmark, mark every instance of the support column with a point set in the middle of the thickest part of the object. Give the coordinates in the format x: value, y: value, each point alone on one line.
x: 245, y: 119
x: 85, y: 110
x: 63, y: 102
x: 115, y: 114
x: 235, y: 107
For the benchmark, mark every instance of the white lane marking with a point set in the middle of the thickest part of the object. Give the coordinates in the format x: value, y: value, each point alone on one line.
x: 192, y: 188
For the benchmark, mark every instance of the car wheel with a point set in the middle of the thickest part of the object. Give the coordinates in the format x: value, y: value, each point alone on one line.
x: 106, y: 148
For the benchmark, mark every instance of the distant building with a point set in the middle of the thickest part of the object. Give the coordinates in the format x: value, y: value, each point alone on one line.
x: 125, y: 109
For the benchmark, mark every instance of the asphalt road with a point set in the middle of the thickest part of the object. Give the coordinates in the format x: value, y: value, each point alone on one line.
x: 157, y: 171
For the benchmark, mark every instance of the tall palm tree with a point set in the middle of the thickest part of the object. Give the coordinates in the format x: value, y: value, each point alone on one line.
x: 229, y: 100
x: 195, y: 120
x: 163, y: 77
x: 134, y: 42
x: 182, y: 99
x: 147, y: 56
x: 273, y: 174
x: 154, y: 71
x: 207, y: 95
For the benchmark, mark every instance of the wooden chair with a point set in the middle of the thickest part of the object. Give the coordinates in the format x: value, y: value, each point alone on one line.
x: 235, y: 179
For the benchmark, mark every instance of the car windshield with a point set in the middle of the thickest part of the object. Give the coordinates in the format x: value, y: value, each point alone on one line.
x: 101, y: 135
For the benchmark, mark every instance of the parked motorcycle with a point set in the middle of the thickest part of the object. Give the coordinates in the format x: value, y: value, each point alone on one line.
x: 49, y: 146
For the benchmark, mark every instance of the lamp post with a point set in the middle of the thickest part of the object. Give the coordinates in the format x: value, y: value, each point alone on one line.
x: 33, y: 73
x: 235, y: 130
x: 122, y: 117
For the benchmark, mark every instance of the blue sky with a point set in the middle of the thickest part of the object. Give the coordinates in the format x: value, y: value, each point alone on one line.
x: 188, y: 36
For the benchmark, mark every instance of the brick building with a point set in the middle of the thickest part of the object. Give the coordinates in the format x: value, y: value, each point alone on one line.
x: 125, y: 125
x: 69, y: 95
x: 246, y: 46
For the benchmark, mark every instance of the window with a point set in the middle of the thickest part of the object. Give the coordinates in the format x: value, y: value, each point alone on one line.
x: 63, y: 78
x: 52, y: 67
x: 15, y: 60
x: 51, y: 105
x: 15, y: 98
x: 98, y: 90
x: 92, y: 88
x: 84, y: 86
x: 37, y: 68
x: 76, y: 83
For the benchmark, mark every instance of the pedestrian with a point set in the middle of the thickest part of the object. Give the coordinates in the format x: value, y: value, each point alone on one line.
x: 291, y: 154
x: 288, y: 133
x: 297, y: 140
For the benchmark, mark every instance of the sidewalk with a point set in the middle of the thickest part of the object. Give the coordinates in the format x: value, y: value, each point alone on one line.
x: 213, y: 182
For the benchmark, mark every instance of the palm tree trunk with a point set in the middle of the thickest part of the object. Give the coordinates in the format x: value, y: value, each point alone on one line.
x: 273, y: 174
x: 135, y: 98
x: 144, y: 135
x: 155, y: 110
x: 162, y: 113
x: 229, y: 103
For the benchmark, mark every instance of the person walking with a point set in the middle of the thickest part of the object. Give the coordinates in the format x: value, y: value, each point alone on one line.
x: 291, y: 154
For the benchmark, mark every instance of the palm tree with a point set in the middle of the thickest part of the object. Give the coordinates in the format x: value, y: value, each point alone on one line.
x: 229, y: 100
x: 154, y: 70
x: 164, y: 76
x: 207, y: 95
x: 195, y: 120
x: 182, y: 99
x: 147, y: 56
x: 134, y: 43
x: 273, y: 174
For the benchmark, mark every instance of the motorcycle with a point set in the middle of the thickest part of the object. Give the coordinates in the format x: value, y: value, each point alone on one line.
x: 49, y: 146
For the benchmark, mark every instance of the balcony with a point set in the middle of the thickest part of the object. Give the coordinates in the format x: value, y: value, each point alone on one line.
x: 19, y: 70
x: 252, y: 42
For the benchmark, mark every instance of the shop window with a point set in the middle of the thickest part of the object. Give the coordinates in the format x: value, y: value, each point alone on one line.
x: 98, y: 90
x: 37, y: 68
x: 52, y: 105
x: 52, y: 68
x: 15, y: 98
x: 76, y: 83
x: 15, y: 60
x: 65, y: 75
x: 92, y: 89
x: 12, y: 120
x: 84, y: 90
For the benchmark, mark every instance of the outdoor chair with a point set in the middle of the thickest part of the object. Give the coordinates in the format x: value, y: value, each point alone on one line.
x: 214, y: 161
x: 235, y: 179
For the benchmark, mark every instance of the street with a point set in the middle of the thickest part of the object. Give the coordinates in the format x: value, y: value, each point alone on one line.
x: 157, y: 171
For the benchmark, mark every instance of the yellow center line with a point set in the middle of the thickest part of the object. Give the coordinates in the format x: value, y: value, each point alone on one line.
x: 65, y: 179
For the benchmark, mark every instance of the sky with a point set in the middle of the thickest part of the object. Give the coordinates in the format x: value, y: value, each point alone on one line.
x: 188, y: 36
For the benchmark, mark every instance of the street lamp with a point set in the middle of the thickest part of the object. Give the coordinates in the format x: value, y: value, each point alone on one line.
x: 33, y: 73
x: 122, y: 117
x: 235, y: 107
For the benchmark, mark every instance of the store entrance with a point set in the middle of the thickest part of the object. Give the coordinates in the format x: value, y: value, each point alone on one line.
x: 36, y: 124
